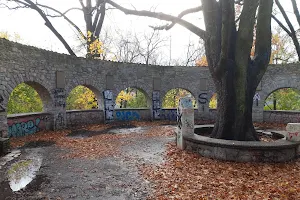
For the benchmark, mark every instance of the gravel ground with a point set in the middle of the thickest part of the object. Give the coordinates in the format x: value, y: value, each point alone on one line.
x: 113, y: 177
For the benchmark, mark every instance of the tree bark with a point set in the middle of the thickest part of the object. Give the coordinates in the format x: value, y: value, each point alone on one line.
x: 234, y: 123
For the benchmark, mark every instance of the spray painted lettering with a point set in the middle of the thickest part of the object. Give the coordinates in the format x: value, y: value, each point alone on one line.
x: 156, y: 105
x: 59, y: 97
x: 256, y: 98
x: 202, y: 98
x: 60, y: 121
x: 2, y: 108
x: 170, y: 114
x: 127, y: 115
x: 26, y: 126
x: 108, y: 105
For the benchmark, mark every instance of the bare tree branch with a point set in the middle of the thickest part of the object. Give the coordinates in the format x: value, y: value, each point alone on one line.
x: 296, y: 11
x: 162, y: 16
x: 292, y: 30
x: 100, y: 21
x: 182, y: 14
x: 81, y: 3
x: 65, y: 17
x: 282, y: 26
x: 31, y: 5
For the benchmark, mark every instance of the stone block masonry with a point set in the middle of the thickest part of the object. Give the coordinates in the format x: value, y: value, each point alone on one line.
x: 54, y: 75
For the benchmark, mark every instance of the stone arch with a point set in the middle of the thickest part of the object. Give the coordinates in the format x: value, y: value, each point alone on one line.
x: 92, y: 87
x: 41, y: 86
x: 164, y: 93
x: 148, y: 99
x: 265, y: 99
x: 270, y: 86
x: 98, y: 94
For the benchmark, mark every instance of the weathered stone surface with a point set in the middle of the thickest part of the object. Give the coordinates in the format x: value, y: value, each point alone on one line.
x: 293, y: 132
x: 185, y: 120
x: 38, y: 68
x: 240, y: 151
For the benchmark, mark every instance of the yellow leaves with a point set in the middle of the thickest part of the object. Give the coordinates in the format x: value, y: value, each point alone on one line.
x: 4, y: 35
x: 15, y: 37
x: 81, y: 98
x: 213, y: 102
x: 202, y: 62
x: 95, y: 47
x: 123, y: 96
x: 172, y: 97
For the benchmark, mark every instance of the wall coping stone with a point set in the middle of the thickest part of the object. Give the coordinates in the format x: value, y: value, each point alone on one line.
x: 233, y: 144
x: 19, y: 115
x: 90, y: 110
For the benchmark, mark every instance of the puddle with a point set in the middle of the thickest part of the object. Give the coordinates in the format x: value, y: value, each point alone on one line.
x: 23, y: 172
x: 130, y: 130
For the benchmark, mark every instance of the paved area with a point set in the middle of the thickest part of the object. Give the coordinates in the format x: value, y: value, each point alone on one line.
x: 113, y: 177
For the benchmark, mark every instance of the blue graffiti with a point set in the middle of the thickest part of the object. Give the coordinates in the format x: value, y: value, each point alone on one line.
x: 24, y: 128
x: 127, y: 115
x: 170, y: 115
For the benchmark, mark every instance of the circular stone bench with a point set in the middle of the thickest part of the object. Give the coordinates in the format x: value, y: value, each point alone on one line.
x: 242, y: 151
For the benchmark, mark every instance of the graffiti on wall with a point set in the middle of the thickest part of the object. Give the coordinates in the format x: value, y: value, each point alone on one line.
x: 2, y: 108
x: 256, y: 98
x: 128, y: 116
x: 60, y: 121
x: 109, y: 105
x: 59, y: 97
x: 26, y: 126
x: 156, y: 105
x: 170, y: 114
x: 202, y: 100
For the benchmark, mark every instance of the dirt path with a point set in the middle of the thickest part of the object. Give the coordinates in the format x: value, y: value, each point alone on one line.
x: 113, y: 177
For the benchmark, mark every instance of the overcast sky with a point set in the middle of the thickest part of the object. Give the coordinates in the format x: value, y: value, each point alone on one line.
x: 30, y: 26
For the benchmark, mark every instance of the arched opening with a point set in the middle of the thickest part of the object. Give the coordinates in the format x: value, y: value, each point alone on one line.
x: 31, y: 98
x: 27, y: 98
x: 132, y: 98
x: 172, y: 97
x: 213, y: 103
x: 283, y: 99
x: 83, y: 98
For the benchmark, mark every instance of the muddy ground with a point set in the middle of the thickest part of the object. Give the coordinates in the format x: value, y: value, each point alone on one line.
x: 112, y: 177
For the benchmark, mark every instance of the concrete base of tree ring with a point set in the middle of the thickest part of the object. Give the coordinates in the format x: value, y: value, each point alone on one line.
x: 242, y: 151
x: 4, y: 146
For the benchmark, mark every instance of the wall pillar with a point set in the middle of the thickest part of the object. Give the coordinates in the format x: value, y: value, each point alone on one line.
x: 59, y: 109
x: 258, y: 108
x: 109, y: 106
x: 156, y: 105
x: 185, y: 119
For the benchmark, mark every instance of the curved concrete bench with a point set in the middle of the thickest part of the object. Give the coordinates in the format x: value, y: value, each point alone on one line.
x: 242, y: 151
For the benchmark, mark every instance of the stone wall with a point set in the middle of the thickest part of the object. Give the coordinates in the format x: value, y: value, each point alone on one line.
x: 54, y: 75
x: 28, y: 123
x: 84, y: 117
x: 281, y: 116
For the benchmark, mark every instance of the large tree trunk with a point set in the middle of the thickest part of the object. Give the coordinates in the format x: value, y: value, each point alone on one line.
x: 234, y: 123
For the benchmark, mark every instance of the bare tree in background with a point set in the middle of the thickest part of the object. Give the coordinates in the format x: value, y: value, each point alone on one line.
x: 93, y: 13
x: 139, y: 48
x: 289, y: 28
